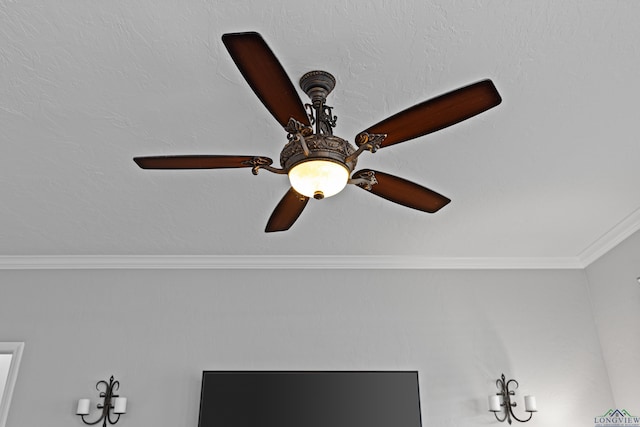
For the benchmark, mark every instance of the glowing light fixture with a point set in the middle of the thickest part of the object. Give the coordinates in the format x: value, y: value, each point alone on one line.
x: 318, y: 178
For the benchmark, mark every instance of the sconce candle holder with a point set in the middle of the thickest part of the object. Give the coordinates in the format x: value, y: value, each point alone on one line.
x: 501, y: 401
x: 110, y: 403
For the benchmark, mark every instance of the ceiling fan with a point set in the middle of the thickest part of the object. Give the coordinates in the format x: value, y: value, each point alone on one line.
x: 318, y: 163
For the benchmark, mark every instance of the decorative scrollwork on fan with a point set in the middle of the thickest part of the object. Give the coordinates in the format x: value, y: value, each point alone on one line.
x: 365, y: 180
x: 257, y: 163
x: 316, y: 143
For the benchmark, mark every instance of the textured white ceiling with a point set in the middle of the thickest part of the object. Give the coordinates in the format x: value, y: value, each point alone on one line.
x: 86, y: 85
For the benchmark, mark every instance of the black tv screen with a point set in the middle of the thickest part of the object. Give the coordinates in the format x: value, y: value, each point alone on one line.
x: 310, y: 399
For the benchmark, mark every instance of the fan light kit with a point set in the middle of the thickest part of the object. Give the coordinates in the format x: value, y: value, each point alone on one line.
x: 319, y: 164
x: 318, y: 178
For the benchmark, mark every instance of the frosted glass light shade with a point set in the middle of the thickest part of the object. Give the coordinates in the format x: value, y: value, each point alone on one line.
x: 530, y: 404
x: 120, y: 406
x: 494, y: 403
x: 83, y: 407
x: 318, y: 178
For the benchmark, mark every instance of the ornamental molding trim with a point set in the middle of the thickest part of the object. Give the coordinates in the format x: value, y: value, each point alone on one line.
x: 593, y: 252
x: 280, y: 262
x: 609, y: 240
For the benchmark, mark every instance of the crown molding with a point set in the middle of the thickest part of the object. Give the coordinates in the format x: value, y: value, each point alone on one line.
x: 279, y: 262
x: 611, y: 239
x: 598, y: 248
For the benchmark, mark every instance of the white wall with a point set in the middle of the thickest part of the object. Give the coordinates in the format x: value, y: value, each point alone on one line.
x: 616, y: 300
x: 157, y: 330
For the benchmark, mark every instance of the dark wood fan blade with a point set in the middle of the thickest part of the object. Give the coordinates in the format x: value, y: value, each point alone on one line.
x: 437, y: 113
x: 262, y: 70
x: 200, y: 162
x: 287, y: 211
x: 403, y: 192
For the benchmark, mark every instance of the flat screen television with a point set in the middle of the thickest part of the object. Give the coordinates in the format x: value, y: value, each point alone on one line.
x: 310, y: 399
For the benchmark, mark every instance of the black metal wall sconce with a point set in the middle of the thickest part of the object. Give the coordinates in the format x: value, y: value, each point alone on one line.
x: 111, y: 403
x: 501, y: 401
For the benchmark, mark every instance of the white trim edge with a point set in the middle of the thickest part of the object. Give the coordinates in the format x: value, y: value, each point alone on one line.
x: 15, y: 349
x: 611, y: 239
x: 376, y: 262
x: 598, y: 248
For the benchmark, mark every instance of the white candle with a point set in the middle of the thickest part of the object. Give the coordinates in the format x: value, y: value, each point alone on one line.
x: 494, y: 403
x: 83, y: 407
x: 120, y: 407
x: 530, y: 404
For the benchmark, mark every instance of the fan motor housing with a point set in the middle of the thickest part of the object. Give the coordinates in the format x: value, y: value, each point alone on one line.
x: 321, y: 147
